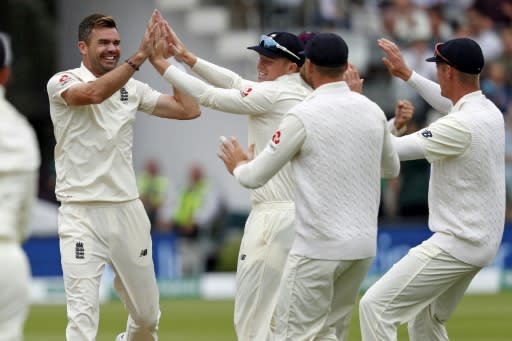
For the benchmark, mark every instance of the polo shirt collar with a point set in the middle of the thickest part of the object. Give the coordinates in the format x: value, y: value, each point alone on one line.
x: 88, y: 76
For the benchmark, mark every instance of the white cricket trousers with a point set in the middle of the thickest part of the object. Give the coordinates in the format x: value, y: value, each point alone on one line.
x: 268, y: 236
x: 17, y: 194
x: 316, y: 298
x: 14, y: 293
x: 423, y: 289
x: 92, y: 234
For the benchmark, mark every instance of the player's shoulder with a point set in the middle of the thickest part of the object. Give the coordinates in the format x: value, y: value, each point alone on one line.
x: 62, y: 78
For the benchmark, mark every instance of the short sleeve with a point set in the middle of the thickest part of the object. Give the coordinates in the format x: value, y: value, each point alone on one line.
x: 58, y: 84
x: 148, y: 97
x: 447, y: 137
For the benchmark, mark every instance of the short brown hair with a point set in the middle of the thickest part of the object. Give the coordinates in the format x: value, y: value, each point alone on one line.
x: 91, y: 22
x: 331, y: 72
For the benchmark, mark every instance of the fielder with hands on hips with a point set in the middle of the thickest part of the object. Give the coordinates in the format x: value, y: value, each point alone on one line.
x: 101, y: 219
x: 338, y: 142
x: 19, y: 170
x: 466, y: 198
x: 269, y: 230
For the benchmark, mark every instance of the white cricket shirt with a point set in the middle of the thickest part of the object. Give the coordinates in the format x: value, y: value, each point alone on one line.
x: 19, y: 149
x: 466, y: 149
x: 339, y: 145
x: 20, y: 160
x: 93, y: 152
x: 265, y: 103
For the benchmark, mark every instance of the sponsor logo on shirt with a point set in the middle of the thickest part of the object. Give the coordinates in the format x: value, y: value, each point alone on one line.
x: 426, y: 133
x: 143, y: 252
x: 123, y: 95
x: 64, y: 79
x: 276, y: 138
x: 246, y: 92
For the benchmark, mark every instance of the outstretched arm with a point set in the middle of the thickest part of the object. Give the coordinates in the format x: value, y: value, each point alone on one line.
x: 397, y: 67
x: 284, y: 145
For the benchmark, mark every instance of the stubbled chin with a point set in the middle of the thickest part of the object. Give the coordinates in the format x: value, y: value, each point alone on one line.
x: 110, y: 65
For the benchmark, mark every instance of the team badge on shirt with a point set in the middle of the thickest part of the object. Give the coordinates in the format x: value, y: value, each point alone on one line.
x: 276, y: 139
x: 246, y: 92
x: 64, y: 79
x: 123, y: 94
x: 426, y: 133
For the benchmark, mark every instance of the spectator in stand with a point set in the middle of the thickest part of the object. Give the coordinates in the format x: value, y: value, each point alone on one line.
x: 198, y: 206
x: 439, y: 26
x: 495, y: 85
x: 405, y: 22
x: 153, y: 189
x: 483, y: 30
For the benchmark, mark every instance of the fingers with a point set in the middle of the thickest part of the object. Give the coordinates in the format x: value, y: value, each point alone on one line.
x: 352, y: 78
x: 250, y: 152
x: 226, y: 147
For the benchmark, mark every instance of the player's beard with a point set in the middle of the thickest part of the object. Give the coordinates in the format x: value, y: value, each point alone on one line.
x: 104, y: 64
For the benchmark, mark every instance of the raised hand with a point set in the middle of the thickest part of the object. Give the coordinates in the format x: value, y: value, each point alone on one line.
x: 393, y: 60
x: 351, y: 77
x: 404, y: 111
x: 177, y: 48
x: 147, y: 44
x: 232, y: 154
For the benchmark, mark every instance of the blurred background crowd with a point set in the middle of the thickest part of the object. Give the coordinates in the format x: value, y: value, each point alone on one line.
x: 193, y: 204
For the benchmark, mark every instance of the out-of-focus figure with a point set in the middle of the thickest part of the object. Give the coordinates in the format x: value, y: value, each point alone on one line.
x: 19, y: 152
x: 153, y: 187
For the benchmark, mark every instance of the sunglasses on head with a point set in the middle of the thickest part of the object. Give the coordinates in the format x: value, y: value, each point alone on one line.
x: 269, y: 43
x: 437, y: 53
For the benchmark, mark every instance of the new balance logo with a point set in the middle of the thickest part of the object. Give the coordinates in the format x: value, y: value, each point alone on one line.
x: 79, y: 250
x: 242, y: 257
x: 143, y: 252
x: 426, y: 133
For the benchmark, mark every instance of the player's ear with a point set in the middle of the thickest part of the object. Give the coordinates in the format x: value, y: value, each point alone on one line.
x: 82, y: 47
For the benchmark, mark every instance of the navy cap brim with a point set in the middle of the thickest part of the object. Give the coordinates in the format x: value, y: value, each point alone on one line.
x: 266, y: 52
x: 432, y: 59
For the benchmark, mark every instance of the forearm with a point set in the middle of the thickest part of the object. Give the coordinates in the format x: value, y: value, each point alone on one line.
x: 408, y: 147
x: 105, y: 86
x: 431, y: 92
x: 112, y: 81
x: 185, y: 83
x: 217, y: 75
x: 275, y: 156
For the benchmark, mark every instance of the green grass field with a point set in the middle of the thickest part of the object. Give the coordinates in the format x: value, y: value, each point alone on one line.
x: 478, y: 318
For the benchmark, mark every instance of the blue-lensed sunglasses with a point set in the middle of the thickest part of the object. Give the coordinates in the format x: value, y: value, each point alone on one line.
x: 269, y: 43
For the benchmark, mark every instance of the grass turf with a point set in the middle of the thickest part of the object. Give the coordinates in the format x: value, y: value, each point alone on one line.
x: 478, y: 318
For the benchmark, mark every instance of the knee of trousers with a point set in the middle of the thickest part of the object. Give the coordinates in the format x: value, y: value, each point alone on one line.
x: 367, y: 305
x: 146, y: 320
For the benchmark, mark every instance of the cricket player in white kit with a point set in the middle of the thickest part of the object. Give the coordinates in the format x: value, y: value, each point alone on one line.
x: 466, y: 198
x: 101, y: 219
x: 339, y: 145
x: 268, y: 232
x: 19, y: 165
